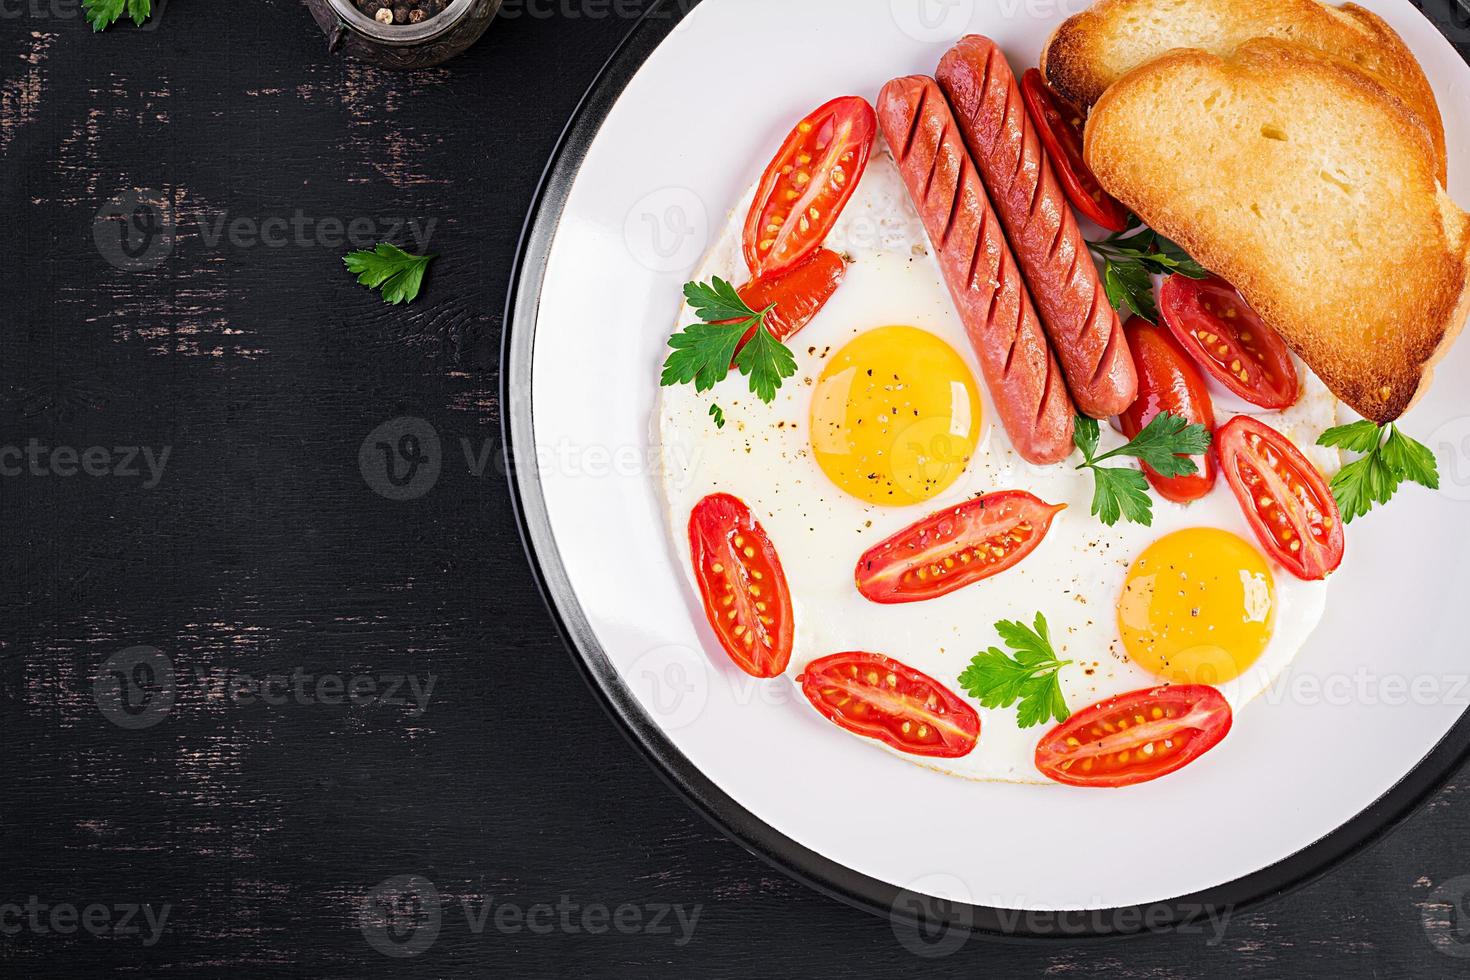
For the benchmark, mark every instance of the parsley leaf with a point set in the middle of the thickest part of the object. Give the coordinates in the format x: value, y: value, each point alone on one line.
x: 1410, y: 459
x: 1130, y: 288
x: 704, y: 352
x: 1384, y: 466
x: 999, y: 680
x: 1087, y: 435
x: 718, y: 414
x: 717, y: 301
x: 1121, y: 492
x: 1130, y: 260
x: 767, y: 361
x: 102, y: 14
x: 1165, y: 445
x: 1360, y: 437
x: 390, y: 269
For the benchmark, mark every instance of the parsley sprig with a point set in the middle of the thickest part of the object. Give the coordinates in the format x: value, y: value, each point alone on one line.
x: 997, y: 679
x: 390, y: 269
x: 1130, y: 260
x: 703, y: 352
x: 1385, y: 464
x: 1165, y: 445
x: 102, y: 14
x: 718, y: 414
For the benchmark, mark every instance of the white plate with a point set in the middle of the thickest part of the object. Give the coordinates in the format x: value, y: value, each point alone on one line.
x: 624, y: 220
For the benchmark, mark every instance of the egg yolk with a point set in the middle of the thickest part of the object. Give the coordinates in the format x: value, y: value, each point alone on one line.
x: 895, y: 416
x: 1198, y: 607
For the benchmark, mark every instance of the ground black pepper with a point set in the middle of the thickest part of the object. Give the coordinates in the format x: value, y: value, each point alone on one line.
x: 401, y: 11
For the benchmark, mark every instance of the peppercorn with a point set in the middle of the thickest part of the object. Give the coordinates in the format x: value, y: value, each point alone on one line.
x: 401, y: 11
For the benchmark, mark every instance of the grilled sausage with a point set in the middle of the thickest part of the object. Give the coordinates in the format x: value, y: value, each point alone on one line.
x: 1025, y: 382
x: 1003, y: 141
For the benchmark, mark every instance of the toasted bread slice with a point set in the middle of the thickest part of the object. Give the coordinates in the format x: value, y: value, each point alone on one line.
x: 1312, y: 189
x: 1093, y: 49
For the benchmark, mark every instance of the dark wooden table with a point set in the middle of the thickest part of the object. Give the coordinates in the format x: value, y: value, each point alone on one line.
x: 296, y: 617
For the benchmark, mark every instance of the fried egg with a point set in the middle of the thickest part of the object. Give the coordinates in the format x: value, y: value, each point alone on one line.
x: 886, y: 422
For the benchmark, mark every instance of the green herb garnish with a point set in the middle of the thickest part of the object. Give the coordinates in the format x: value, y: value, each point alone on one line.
x: 390, y: 269
x: 703, y: 352
x: 998, y: 680
x: 1386, y: 463
x: 1131, y: 258
x: 1165, y: 445
x: 718, y: 414
x: 102, y: 14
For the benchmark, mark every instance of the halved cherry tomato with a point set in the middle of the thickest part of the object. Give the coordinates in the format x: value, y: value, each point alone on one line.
x: 1168, y: 381
x: 878, y: 697
x: 949, y: 550
x: 1231, y: 341
x: 1135, y: 737
x: 1285, y: 498
x: 798, y: 294
x: 808, y: 183
x: 1060, y: 124
x: 742, y: 585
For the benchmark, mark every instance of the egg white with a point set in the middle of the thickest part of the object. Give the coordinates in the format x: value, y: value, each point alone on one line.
x: 1074, y: 578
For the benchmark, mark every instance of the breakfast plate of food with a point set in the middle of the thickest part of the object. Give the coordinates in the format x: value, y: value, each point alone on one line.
x: 1010, y: 454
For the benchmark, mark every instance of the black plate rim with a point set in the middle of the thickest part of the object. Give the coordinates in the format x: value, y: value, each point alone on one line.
x: 929, y: 927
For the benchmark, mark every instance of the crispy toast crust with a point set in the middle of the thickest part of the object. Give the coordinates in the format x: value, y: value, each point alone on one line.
x: 1370, y: 314
x: 1093, y: 49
